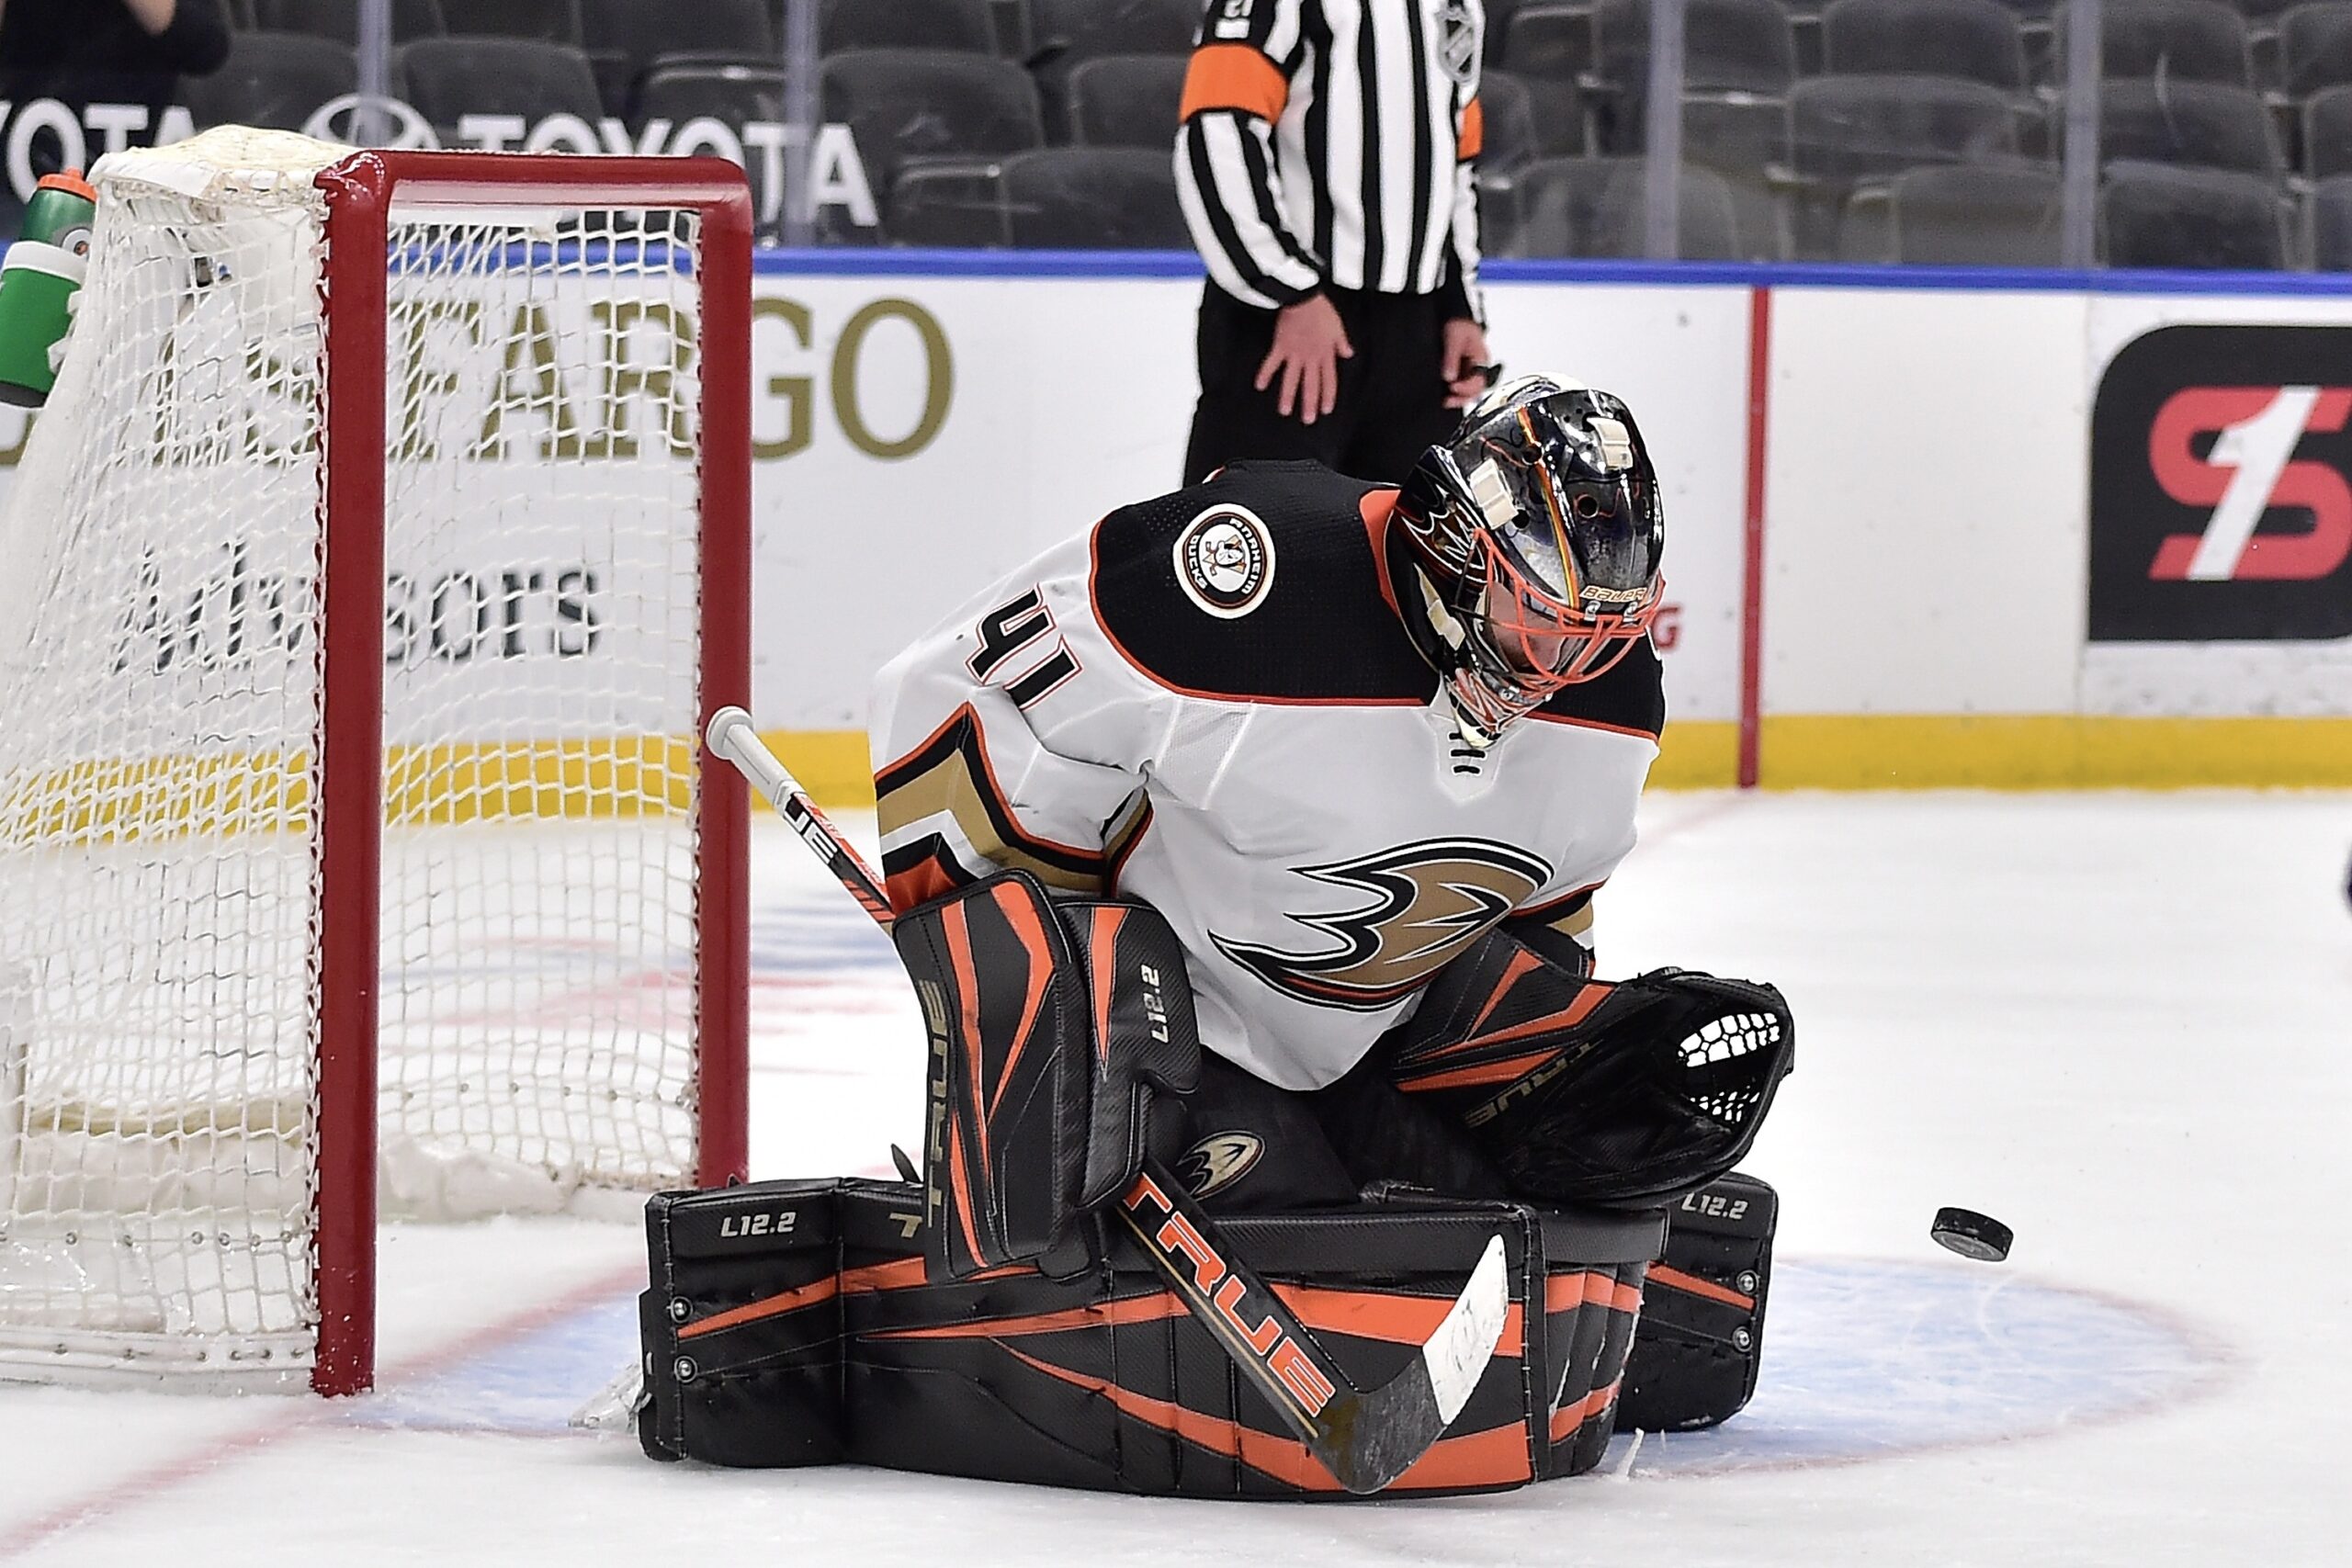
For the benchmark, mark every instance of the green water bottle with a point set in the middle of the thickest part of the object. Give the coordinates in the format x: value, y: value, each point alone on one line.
x: 42, y: 270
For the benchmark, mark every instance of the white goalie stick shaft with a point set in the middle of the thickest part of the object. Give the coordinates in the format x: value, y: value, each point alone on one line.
x: 1364, y: 1438
x: 732, y: 736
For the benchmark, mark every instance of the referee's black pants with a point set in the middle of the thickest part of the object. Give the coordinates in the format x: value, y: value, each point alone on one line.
x: 1392, y: 394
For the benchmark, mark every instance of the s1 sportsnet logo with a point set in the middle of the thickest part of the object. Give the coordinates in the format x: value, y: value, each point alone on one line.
x: 2221, y: 487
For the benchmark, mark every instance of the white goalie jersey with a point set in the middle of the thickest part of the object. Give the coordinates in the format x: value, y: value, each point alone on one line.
x: 1208, y: 703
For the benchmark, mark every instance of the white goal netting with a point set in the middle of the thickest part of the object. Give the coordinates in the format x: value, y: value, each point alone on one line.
x: 161, y: 558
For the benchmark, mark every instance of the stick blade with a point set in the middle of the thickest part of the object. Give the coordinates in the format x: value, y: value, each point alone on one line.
x: 1369, y: 1439
x: 1458, y: 1352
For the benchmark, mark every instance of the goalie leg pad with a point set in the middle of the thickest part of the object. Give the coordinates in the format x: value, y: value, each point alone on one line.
x: 1050, y: 1026
x: 1102, y: 1381
x: 1587, y: 1091
x: 741, y: 1326
x: 1701, y: 1336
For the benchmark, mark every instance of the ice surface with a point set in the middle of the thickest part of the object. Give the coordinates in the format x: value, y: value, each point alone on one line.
x: 2121, y: 1023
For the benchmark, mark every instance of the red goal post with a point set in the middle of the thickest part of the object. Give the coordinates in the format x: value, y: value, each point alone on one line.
x: 360, y: 194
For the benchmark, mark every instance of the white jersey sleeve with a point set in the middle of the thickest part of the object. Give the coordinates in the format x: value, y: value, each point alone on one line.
x: 971, y: 780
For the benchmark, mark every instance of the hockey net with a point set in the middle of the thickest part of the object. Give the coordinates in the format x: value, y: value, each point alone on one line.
x: 362, y: 591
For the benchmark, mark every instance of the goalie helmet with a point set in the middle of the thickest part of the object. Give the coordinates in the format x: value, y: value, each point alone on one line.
x: 1535, y: 534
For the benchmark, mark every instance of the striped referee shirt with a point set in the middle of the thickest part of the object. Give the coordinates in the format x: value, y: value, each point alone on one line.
x: 1329, y: 141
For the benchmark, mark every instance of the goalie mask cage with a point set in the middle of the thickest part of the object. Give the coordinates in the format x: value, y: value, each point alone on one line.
x: 363, y: 593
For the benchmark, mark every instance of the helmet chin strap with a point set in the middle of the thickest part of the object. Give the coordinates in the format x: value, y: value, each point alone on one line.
x: 1473, y: 734
x: 1478, y: 733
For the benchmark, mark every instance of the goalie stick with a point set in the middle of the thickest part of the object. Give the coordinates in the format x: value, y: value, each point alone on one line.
x: 1365, y: 1437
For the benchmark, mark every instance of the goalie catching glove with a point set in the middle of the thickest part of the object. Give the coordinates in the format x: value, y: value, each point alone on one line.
x: 1632, y: 1092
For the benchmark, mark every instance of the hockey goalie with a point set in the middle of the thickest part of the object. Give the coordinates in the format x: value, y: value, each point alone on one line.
x: 1247, y: 845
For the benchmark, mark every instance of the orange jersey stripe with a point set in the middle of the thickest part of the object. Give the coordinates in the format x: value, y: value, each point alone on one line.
x: 1234, y: 76
x: 1472, y: 140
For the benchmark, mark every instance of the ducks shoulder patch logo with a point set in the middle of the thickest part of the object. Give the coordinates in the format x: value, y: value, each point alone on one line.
x: 1225, y: 561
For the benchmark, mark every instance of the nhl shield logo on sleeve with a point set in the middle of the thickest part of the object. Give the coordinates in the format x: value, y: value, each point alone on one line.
x: 1457, y: 40
x: 1225, y: 561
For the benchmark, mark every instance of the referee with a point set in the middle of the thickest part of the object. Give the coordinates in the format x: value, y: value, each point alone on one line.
x: 1324, y: 165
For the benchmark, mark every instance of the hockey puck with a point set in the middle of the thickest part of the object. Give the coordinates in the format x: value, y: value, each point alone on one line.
x: 1972, y: 1234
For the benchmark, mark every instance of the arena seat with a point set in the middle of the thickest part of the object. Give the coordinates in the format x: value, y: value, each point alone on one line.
x: 1510, y: 124
x: 1960, y: 215
x: 2315, y: 48
x: 1052, y: 198
x: 2327, y: 133
x: 1067, y: 32
x: 1599, y: 207
x: 2151, y: 215
x: 1852, y: 127
x: 628, y: 39
x: 548, y: 21
x: 277, y: 80
x: 2181, y: 40
x: 444, y: 79
x: 2331, y: 224
x: 1555, y: 42
x: 1498, y: 19
x: 1740, y: 46
x: 907, y: 104
x: 1849, y: 135
x: 2192, y: 124
x: 1094, y: 198
x: 733, y: 92
x: 1976, y: 41
x: 1125, y: 100
x: 846, y: 25
x: 339, y: 19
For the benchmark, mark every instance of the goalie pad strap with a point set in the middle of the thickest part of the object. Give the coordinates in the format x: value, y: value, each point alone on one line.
x: 1049, y: 1025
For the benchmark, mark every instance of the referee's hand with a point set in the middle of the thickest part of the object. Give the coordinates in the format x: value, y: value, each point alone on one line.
x: 1309, y: 343
x: 1463, y: 363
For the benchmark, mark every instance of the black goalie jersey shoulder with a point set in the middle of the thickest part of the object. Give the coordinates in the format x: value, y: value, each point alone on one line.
x: 1630, y: 697
x: 1263, y: 585
x: 1258, y: 585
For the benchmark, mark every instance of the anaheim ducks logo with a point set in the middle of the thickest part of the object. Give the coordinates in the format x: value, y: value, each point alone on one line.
x: 1219, y: 1160
x: 1225, y: 561
x: 1428, y: 903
